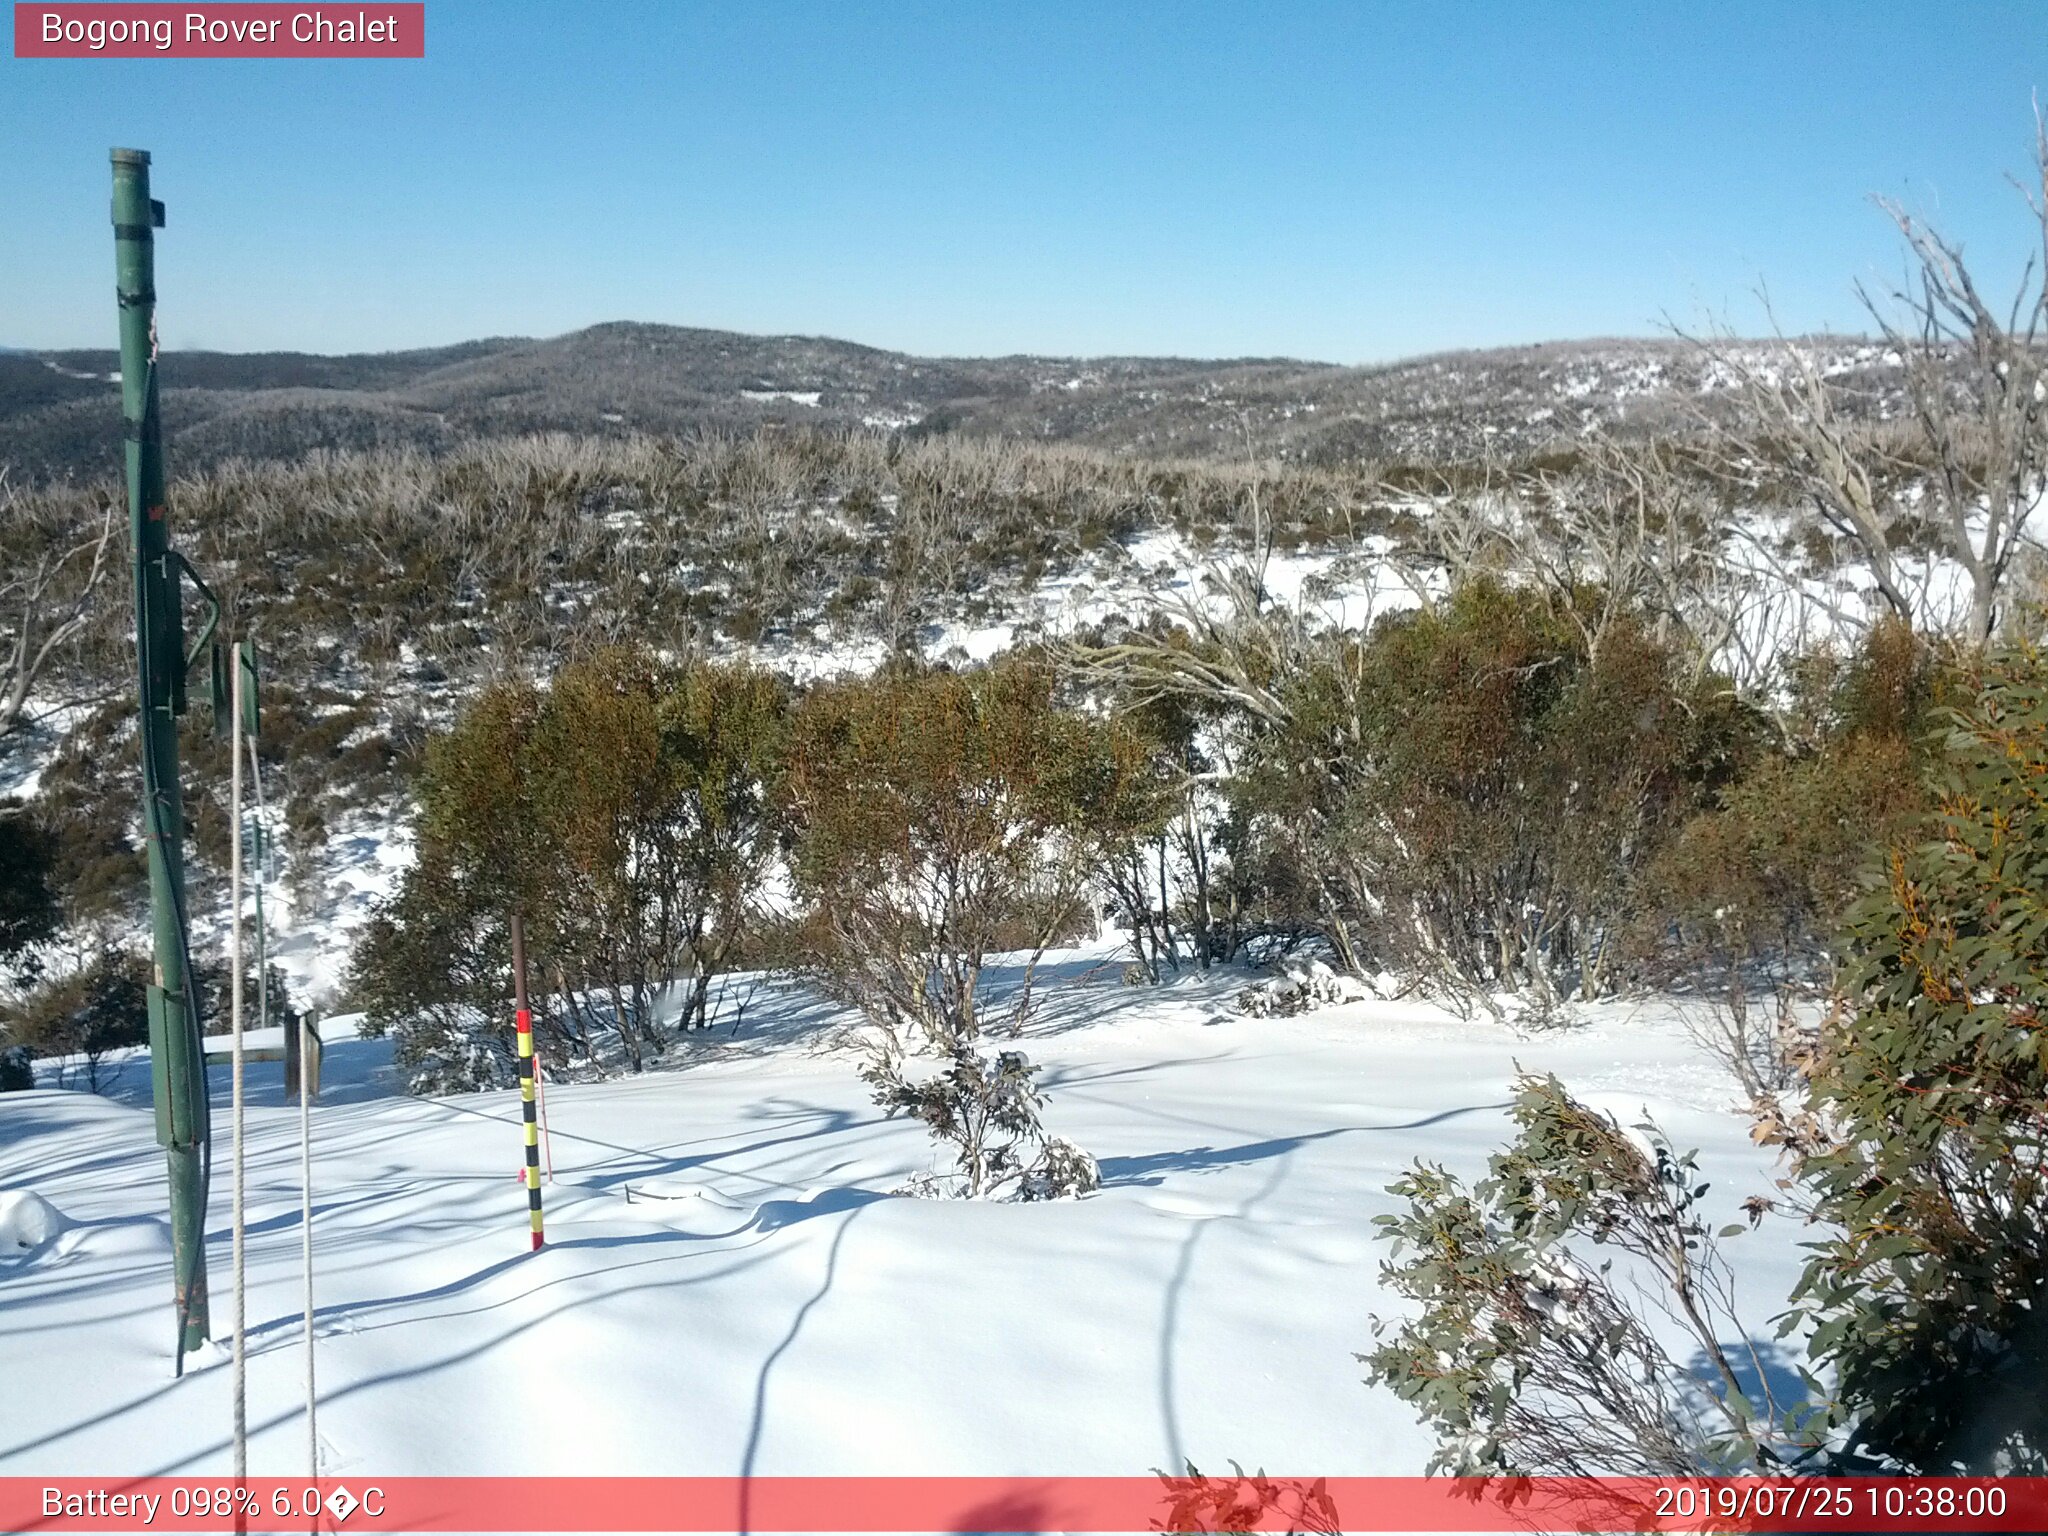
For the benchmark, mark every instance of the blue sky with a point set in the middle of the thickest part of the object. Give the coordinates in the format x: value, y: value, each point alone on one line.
x: 1350, y: 182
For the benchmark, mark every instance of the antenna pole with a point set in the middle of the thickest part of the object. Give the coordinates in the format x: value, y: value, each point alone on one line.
x: 177, y: 1061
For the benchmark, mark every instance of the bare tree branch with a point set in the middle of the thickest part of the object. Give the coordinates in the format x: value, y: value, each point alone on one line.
x: 50, y: 605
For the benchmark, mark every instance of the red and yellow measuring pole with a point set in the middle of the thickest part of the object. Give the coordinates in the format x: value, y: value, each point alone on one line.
x: 523, y: 1018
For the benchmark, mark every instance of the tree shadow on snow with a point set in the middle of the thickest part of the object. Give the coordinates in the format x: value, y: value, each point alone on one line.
x: 424, y: 1367
x: 1151, y: 1169
x: 758, y: 1421
x: 1006, y: 1515
x: 770, y: 1217
x: 643, y: 1164
x: 1764, y: 1368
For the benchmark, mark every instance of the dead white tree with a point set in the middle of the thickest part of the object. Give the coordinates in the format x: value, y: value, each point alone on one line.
x: 1627, y: 531
x: 1625, y: 534
x: 1222, y: 638
x: 1976, y: 398
x: 1464, y: 528
x: 43, y: 607
x: 1975, y: 382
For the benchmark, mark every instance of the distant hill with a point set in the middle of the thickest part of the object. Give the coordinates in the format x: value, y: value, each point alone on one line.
x: 59, y: 416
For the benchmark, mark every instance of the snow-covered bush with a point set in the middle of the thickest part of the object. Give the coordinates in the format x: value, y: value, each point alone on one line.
x: 445, y: 1052
x: 28, y: 1221
x: 985, y: 1107
x: 1298, y: 988
x: 1062, y: 1171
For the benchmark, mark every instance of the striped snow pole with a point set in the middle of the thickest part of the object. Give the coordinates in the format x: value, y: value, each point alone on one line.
x: 523, y: 1018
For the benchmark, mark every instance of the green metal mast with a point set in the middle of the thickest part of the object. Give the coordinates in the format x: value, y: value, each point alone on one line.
x: 177, y: 1058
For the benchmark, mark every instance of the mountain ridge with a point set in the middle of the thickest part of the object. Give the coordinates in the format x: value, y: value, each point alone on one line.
x: 56, y: 415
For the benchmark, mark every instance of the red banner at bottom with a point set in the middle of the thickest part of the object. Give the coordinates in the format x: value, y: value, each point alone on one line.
x: 1021, y: 1504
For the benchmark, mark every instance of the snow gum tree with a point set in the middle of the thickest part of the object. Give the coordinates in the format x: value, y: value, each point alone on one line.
x: 628, y: 811
x: 1471, y: 794
x: 101, y: 1007
x: 1765, y: 875
x: 1743, y: 904
x: 656, y: 804
x: 941, y: 820
x: 1149, y: 805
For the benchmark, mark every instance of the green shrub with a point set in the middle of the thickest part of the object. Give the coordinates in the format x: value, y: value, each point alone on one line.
x: 17, y: 1069
x: 1919, y: 1153
x: 102, y: 1008
x: 627, y: 811
x: 1767, y: 873
x: 941, y: 818
x: 1150, y: 759
x: 29, y: 910
x: 1473, y: 790
x: 1927, y: 1132
x: 1535, y: 1351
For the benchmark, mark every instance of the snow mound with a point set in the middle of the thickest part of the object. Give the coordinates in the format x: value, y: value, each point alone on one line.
x: 27, y: 1222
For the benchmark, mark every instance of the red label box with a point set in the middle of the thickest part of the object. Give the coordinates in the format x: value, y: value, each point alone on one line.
x: 765, y: 1506
x: 366, y: 29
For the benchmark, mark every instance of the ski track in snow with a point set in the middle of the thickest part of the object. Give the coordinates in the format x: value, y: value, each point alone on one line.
x: 762, y: 1303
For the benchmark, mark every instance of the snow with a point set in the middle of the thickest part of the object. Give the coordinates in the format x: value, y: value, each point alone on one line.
x: 1348, y: 586
x: 729, y: 1287
x: 27, y: 1222
x: 313, y: 921
x: 732, y: 1283
x: 893, y: 421
x: 26, y: 755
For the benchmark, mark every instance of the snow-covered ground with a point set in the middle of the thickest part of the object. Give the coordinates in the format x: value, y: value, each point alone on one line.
x: 730, y: 1284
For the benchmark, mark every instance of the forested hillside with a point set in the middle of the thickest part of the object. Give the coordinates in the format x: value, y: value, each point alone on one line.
x: 627, y: 380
